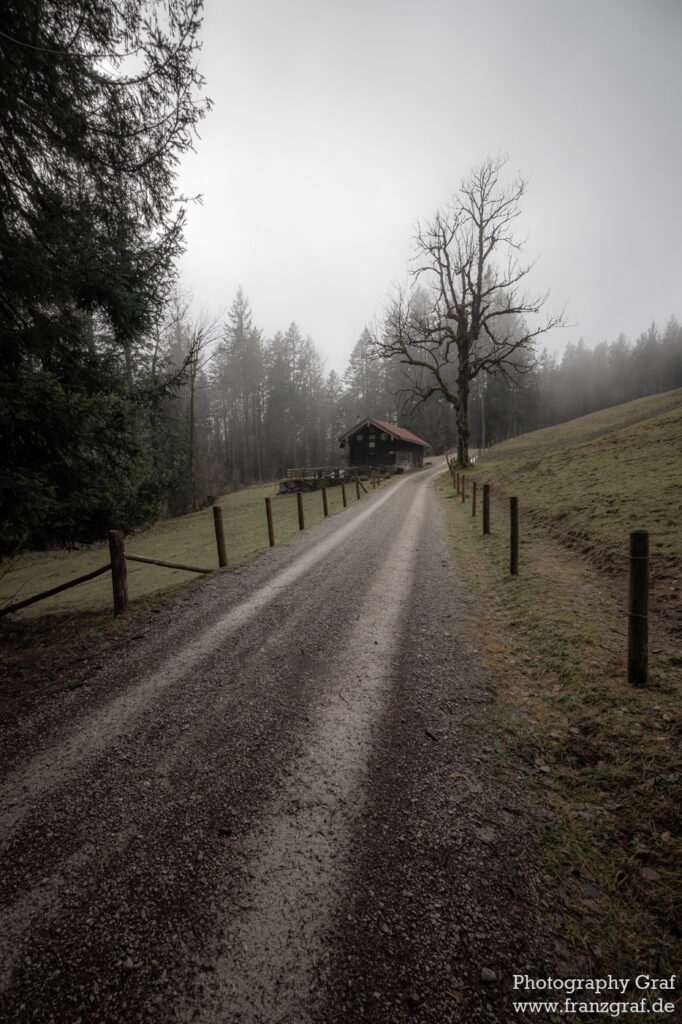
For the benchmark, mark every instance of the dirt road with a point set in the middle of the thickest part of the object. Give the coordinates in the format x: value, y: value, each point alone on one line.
x: 282, y: 806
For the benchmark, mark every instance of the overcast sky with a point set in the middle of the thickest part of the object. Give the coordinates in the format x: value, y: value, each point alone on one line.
x: 336, y: 123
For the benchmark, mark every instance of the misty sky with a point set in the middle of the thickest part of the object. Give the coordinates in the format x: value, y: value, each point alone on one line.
x: 336, y: 124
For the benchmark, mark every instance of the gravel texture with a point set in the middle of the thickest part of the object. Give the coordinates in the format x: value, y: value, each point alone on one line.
x: 284, y: 804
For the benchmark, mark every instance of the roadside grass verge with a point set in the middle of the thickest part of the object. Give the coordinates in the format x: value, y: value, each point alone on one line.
x: 600, y: 759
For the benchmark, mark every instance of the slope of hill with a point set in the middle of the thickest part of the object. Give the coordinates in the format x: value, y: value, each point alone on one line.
x: 600, y: 756
x: 602, y: 475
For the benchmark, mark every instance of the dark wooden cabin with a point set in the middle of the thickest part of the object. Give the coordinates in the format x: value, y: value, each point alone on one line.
x: 375, y: 443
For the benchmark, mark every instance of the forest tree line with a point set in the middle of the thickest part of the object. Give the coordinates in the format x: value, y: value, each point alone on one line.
x: 264, y: 405
x: 118, y: 405
x: 200, y: 407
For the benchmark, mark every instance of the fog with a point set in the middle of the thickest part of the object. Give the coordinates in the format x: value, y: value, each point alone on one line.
x: 335, y: 125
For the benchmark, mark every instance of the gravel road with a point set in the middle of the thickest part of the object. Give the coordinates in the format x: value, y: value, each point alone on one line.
x: 285, y: 804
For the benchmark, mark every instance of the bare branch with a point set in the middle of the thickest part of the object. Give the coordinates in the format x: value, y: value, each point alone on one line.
x: 464, y: 312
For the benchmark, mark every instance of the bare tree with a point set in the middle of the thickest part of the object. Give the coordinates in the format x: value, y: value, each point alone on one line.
x: 465, y: 311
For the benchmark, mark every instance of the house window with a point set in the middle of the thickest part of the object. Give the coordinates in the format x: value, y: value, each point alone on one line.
x: 383, y: 437
x: 359, y: 437
x: 371, y: 444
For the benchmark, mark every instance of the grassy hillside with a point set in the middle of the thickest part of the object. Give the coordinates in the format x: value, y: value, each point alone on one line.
x: 189, y: 539
x: 602, y: 475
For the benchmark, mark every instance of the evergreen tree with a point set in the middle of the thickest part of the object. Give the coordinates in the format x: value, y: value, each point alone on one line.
x: 364, y: 380
x: 336, y: 423
x: 237, y: 393
x: 97, y: 100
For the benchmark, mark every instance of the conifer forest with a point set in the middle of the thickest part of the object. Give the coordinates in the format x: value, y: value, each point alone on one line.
x: 118, y: 402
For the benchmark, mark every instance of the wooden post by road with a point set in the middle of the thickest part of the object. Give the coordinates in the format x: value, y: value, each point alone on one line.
x: 486, y: 508
x: 357, y: 488
x: 299, y: 502
x: 514, y: 536
x: 271, y: 528
x: 464, y: 489
x: 343, y: 494
x: 457, y: 480
x: 473, y: 498
x: 219, y: 535
x: 119, y: 572
x: 454, y: 478
x: 324, y: 501
x: 638, y: 612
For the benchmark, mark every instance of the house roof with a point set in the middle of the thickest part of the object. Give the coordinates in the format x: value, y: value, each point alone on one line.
x: 388, y: 428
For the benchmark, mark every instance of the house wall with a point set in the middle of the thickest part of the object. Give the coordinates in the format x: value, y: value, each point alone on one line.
x: 409, y: 456
x: 371, y: 446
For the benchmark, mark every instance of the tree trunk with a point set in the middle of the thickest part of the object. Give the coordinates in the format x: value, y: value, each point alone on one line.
x: 482, y: 392
x: 462, y: 417
x: 192, y: 471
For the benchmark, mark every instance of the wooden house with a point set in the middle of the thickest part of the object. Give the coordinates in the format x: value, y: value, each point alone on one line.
x: 377, y: 444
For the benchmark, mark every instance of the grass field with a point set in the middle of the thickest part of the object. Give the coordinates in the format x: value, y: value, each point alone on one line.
x: 602, y: 475
x: 601, y: 759
x: 189, y: 539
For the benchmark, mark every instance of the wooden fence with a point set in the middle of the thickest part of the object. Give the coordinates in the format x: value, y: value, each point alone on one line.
x: 119, y: 557
x: 638, y: 573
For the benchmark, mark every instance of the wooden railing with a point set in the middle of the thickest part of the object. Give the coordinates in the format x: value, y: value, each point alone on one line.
x: 317, y: 472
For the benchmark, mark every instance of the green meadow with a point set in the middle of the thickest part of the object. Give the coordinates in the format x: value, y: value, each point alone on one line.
x: 603, y: 475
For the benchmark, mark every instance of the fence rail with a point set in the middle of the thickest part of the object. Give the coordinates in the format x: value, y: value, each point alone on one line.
x: 317, y: 472
x: 55, y: 590
x: 119, y: 557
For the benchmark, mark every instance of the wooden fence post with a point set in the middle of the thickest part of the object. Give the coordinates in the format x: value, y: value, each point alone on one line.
x: 638, y: 617
x: 486, y: 508
x: 219, y: 535
x: 119, y: 572
x: 324, y: 501
x: 357, y: 488
x: 299, y: 502
x: 454, y: 478
x: 343, y: 494
x: 457, y: 480
x: 464, y: 489
x: 514, y: 536
x: 271, y: 528
x: 473, y: 498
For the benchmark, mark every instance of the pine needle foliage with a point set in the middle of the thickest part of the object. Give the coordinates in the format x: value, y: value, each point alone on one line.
x: 98, y: 100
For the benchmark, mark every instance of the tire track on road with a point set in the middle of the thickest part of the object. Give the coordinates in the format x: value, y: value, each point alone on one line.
x: 296, y: 862
x: 107, y: 799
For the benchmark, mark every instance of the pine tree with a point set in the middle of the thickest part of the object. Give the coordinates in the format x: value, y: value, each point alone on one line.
x: 97, y: 100
x: 237, y: 393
